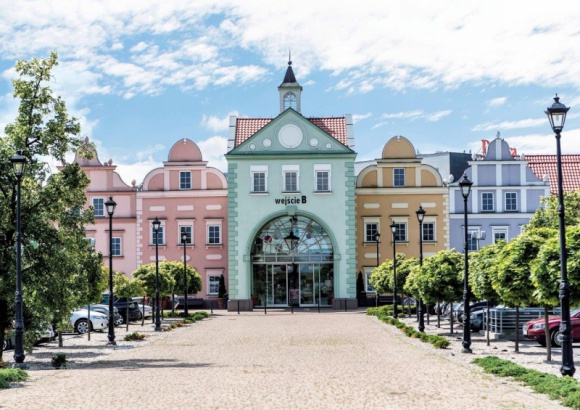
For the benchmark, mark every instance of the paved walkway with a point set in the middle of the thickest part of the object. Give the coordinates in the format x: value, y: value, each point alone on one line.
x: 332, y: 360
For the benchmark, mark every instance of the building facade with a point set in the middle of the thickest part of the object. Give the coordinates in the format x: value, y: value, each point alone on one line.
x: 291, y: 208
x: 504, y: 196
x: 391, y: 192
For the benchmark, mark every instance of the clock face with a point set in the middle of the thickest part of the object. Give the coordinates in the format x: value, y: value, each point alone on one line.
x: 290, y: 101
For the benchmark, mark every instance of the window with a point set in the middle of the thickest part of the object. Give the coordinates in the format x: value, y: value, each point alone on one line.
x: 500, y: 234
x: 472, y: 241
x: 290, y: 101
x: 259, y: 175
x: 368, y: 287
x: 322, y: 182
x: 184, y: 180
x: 213, y: 284
x: 160, y: 235
x: 213, y: 235
x: 92, y: 242
x: 401, y: 232
x: 428, y: 231
x: 371, y: 229
x: 511, y: 201
x: 290, y: 181
x: 188, y: 230
x: 99, y: 206
x: 487, y: 202
x: 398, y: 177
x: 116, y: 247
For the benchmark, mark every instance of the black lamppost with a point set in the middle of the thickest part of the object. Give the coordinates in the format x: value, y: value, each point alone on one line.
x: 110, y: 204
x: 156, y: 224
x: 395, y: 308
x: 420, y: 216
x: 465, y: 185
x: 184, y: 242
x: 18, y: 165
x: 377, y: 240
x: 557, y: 116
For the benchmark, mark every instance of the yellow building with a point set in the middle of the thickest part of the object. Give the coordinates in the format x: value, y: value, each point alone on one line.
x: 391, y: 192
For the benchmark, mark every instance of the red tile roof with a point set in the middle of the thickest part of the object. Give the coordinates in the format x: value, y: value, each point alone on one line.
x: 546, y: 165
x: 333, y: 126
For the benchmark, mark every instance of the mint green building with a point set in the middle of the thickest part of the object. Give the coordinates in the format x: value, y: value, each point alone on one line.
x: 291, y: 210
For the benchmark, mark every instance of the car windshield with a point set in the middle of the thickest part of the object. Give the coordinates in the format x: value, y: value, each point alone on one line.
x: 575, y: 312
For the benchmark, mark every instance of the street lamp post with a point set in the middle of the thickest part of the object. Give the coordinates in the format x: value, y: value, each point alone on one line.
x: 395, y: 308
x: 18, y: 165
x: 377, y: 240
x: 420, y: 216
x: 465, y: 185
x: 156, y: 224
x: 557, y: 116
x: 110, y: 204
x: 184, y: 242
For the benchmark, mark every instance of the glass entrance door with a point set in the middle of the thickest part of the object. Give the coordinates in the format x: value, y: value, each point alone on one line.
x: 306, y: 285
x: 279, y: 285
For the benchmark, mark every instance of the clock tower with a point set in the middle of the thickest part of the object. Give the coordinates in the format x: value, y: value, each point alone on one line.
x: 290, y: 90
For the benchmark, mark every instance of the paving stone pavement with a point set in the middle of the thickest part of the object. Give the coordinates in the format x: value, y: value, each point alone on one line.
x: 305, y: 360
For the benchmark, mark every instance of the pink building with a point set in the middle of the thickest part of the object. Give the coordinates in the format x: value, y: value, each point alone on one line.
x: 185, y: 195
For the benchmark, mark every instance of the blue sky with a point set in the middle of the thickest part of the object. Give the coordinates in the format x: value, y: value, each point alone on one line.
x: 142, y: 74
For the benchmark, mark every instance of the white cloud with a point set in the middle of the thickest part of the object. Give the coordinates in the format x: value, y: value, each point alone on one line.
x: 436, y: 116
x: 216, y: 124
x: 213, y: 150
x: 404, y: 115
x: 359, y: 117
x: 496, y: 102
x: 509, y: 125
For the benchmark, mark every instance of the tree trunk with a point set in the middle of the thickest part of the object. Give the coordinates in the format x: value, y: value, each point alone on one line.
x: 438, y: 315
x: 517, y: 329
x: 487, y: 323
x: 451, y: 317
x: 548, y: 341
x: 3, y: 323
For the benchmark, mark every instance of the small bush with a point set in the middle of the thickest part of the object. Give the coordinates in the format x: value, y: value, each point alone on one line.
x: 565, y: 389
x: 58, y: 360
x: 438, y: 341
x: 8, y: 376
x: 135, y: 336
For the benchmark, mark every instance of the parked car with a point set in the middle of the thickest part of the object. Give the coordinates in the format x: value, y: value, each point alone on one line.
x: 536, y: 329
x: 104, y: 309
x: 477, y: 316
x: 79, y: 320
x: 458, y: 313
x: 123, y: 305
x: 46, y: 336
x: 147, y: 309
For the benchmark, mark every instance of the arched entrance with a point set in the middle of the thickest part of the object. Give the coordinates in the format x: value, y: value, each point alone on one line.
x: 292, y: 263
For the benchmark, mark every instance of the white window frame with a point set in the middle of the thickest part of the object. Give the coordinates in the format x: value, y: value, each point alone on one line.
x: 211, y: 223
x: 289, y: 102
x: 92, y: 242
x: 120, y: 240
x: 434, y: 231
x: 181, y: 187
x: 185, y: 224
x: 368, y: 287
x: 492, y: 202
x: 395, y: 185
x: 258, y: 169
x: 102, y: 213
x: 152, y: 233
x: 506, y: 201
x: 322, y: 168
x: 371, y: 221
x: 401, y: 221
x: 213, y: 273
x: 287, y: 170
x: 500, y: 230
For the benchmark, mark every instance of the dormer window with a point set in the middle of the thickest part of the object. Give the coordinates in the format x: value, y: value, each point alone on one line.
x: 290, y: 101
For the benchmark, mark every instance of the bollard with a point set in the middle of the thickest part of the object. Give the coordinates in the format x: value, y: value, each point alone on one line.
x: 238, y: 307
x: 318, y: 305
x: 211, y: 306
x: 345, y: 304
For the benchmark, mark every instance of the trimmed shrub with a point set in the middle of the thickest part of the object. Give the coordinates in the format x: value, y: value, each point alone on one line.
x: 8, y: 376
x: 58, y: 360
x: 135, y: 336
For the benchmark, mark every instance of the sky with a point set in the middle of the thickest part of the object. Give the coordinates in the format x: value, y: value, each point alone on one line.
x: 140, y: 75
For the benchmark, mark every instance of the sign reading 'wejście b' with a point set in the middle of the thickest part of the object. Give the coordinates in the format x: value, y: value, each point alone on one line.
x: 291, y: 200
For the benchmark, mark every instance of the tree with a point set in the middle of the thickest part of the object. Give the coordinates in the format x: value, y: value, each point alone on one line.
x: 511, y: 279
x: 546, y: 216
x: 439, y: 279
x: 146, y: 274
x: 175, y: 269
x: 222, y: 287
x: 56, y: 257
x: 382, y: 277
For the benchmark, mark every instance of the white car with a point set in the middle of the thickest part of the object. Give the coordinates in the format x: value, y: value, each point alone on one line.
x: 148, y: 310
x: 79, y: 320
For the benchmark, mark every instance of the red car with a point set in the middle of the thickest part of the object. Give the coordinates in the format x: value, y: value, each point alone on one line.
x: 536, y: 329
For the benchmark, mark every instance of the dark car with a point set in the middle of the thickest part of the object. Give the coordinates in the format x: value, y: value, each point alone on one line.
x: 124, y: 306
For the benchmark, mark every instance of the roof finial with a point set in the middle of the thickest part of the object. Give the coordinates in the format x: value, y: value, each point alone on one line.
x: 289, y: 57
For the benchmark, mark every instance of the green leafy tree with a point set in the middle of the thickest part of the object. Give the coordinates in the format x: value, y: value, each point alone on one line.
x: 175, y: 269
x: 146, y: 274
x: 511, y: 280
x: 222, y: 287
x: 547, y: 215
x: 58, y: 267
x: 382, y: 278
